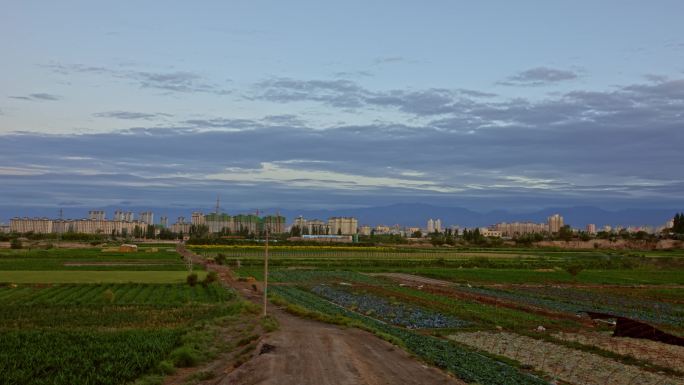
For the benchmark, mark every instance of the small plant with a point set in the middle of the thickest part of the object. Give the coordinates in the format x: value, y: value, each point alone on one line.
x: 269, y: 324
x: 192, y: 279
x: 109, y: 296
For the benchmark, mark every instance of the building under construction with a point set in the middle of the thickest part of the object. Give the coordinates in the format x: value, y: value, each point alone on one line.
x: 239, y: 224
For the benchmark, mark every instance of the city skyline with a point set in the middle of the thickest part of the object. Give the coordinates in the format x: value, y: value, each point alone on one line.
x: 282, y: 105
x: 499, y: 221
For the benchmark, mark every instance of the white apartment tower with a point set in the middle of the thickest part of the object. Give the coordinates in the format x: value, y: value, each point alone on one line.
x: 147, y: 217
x: 555, y: 223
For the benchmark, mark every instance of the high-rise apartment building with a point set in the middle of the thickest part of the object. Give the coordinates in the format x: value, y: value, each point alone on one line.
x: 591, y: 228
x: 555, y: 223
x: 96, y: 215
x: 197, y: 218
x: 147, y: 217
x: 343, y: 225
x: 430, y: 226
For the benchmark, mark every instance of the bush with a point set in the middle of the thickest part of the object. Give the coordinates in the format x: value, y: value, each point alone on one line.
x: 210, y: 278
x: 15, y: 244
x: 221, y: 259
x: 166, y: 367
x: 109, y: 296
x: 192, y: 279
x: 184, y: 357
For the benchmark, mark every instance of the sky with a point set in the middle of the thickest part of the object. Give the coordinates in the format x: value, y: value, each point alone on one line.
x: 309, y: 104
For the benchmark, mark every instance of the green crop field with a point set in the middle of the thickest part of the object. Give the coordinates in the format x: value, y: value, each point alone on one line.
x: 515, y: 292
x: 147, y: 258
x: 93, y: 316
x: 61, y: 276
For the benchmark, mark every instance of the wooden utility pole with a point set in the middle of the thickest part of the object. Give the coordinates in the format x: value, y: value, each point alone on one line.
x: 266, y: 272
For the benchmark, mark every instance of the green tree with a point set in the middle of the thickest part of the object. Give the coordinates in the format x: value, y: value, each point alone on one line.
x: 296, y: 231
x: 565, y: 233
x: 678, y: 224
x: 15, y: 244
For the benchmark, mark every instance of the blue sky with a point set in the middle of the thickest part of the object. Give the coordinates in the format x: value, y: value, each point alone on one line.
x: 313, y: 104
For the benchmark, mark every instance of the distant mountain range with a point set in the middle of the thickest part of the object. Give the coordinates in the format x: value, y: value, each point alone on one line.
x: 405, y: 214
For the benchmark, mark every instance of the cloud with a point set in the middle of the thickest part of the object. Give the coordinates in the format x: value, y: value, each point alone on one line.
x: 353, y: 74
x: 129, y: 115
x: 173, y: 81
x: 41, y: 96
x: 179, y: 81
x: 388, y: 59
x: 337, y: 93
x: 539, y: 76
x: 347, y: 94
x: 614, y: 146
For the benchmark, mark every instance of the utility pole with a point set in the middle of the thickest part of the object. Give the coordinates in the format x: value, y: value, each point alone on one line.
x: 266, y: 272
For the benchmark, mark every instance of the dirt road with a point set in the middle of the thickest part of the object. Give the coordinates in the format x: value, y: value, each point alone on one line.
x: 309, y: 352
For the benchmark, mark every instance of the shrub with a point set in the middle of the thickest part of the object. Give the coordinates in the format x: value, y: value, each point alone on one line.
x: 184, y: 357
x: 210, y: 278
x: 109, y: 296
x: 574, y: 269
x: 15, y: 244
x: 220, y: 259
x: 192, y: 279
x: 166, y: 367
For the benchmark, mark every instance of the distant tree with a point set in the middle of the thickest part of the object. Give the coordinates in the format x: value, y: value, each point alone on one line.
x: 192, y: 279
x: 199, y: 231
x: 295, y: 231
x: 151, y: 232
x: 339, y: 231
x: 15, y: 244
x: 417, y: 234
x: 565, y: 233
x: 678, y: 224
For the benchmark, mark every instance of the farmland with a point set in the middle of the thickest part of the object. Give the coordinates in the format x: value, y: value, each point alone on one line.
x: 112, y: 325
x: 492, y: 317
x: 519, y: 310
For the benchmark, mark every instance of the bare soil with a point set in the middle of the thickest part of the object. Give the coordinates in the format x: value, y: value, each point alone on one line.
x: 309, y: 352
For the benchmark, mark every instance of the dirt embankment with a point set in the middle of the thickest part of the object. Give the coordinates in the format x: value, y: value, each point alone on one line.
x: 306, y: 352
x: 619, y: 244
